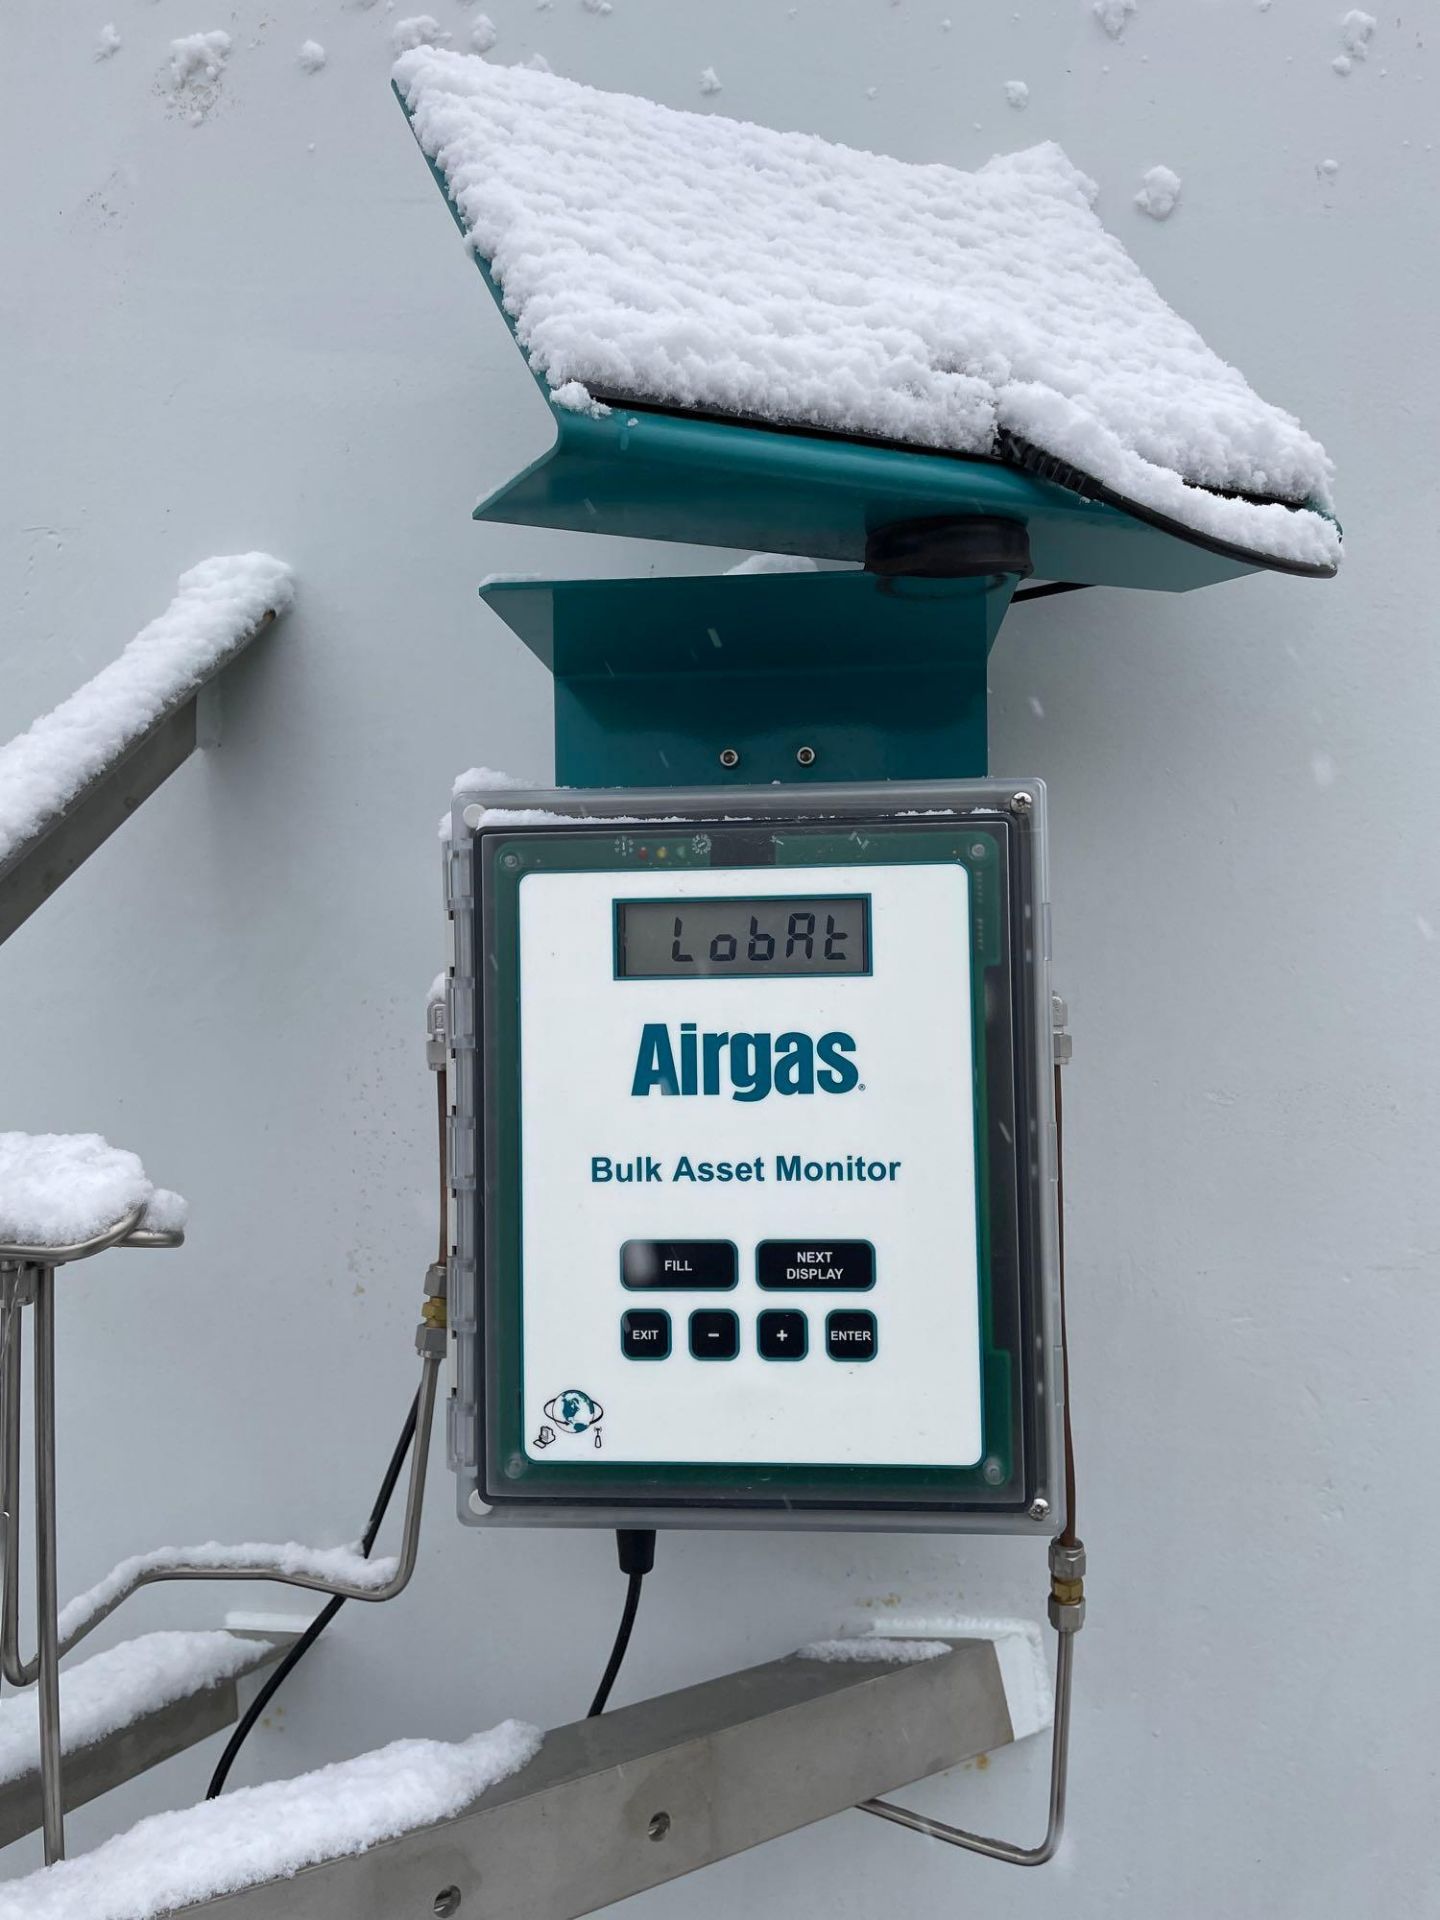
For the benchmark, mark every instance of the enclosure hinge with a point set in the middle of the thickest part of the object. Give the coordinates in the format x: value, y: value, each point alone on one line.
x: 1060, y: 1030
x: 437, y: 1035
x: 459, y: 882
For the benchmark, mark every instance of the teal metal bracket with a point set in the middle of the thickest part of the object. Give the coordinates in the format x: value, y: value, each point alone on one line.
x: 831, y: 676
x: 651, y: 475
x: 825, y: 676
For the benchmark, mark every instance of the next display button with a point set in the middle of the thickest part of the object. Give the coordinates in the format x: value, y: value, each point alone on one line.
x: 815, y: 1266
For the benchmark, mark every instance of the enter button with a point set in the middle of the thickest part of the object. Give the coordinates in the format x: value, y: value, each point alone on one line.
x: 850, y: 1334
x: 815, y: 1266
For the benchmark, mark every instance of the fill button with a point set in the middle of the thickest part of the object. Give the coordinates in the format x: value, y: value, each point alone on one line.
x: 681, y: 1264
x: 815, y: 1266
x: 850, y: 1334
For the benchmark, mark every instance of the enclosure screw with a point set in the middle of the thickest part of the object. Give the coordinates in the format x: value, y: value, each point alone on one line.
x: 447, y: 1901
x: 659, y: 1826
x: 1022, y: 802
x: 806, y: 756
x: 472, y: 817
x: 1040, y: 1509
x: 729, y: 757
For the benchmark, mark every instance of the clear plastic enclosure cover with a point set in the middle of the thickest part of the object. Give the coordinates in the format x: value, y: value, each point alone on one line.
x: 752, y: 1151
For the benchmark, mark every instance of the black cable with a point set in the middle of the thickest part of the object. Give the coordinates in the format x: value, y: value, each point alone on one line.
x: 322, y: 1619
x: 636, y: 1547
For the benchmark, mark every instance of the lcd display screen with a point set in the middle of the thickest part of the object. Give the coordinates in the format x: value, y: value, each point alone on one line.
x: 770, y: 935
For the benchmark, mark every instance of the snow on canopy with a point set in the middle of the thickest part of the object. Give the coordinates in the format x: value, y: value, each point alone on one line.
x: 57, y: 1189
x: 699, y: 262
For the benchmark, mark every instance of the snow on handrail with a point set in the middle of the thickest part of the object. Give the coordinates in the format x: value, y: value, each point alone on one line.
x: 70, y: 779
x: 289, y: 1561
x: 61, y: 1190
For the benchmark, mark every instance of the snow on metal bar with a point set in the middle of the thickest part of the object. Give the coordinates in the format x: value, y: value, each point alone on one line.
x: 708, y: 264
x: 114, y: 1689
x: 264, y: 1833
x: 217, y: 608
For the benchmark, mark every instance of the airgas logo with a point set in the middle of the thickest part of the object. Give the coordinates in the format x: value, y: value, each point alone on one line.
x: 747, y: 1066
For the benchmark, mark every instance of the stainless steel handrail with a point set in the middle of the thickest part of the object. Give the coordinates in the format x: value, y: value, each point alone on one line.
x: 28, y: 1254
x: 21, y: 1673
x: 27, y: 1275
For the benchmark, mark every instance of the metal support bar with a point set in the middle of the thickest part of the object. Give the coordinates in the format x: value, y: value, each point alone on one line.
x: 638, y: 1797
x: 47, y: 1598
x: 40, y: 864
x: 133, y: 1749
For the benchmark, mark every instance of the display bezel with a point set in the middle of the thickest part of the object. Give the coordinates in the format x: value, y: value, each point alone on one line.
x: 625, y: 904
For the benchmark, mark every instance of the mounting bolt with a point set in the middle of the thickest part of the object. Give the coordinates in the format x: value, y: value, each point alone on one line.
x: 659, y: 1825
x: 729, y: 757
x: 472, y: 817
x: 1040, y: 1509
x: 805, y: 756
x: 1022, y: 802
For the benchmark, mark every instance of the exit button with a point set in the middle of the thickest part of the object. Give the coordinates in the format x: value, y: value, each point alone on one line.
x: 645, y: 1334
x: 815, y: 1266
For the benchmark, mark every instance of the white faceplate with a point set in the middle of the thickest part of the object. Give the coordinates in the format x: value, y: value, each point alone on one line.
x: 917, y: 1402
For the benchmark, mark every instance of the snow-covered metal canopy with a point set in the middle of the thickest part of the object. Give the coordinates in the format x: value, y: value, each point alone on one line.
x: 653, y: 259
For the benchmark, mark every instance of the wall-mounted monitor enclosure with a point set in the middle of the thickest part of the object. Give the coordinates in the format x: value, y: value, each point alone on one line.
x: 753, y: 1151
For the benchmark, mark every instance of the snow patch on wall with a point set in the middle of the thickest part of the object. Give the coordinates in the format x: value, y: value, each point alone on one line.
x: 705, y: 263
x: 107, y: 41
x: 420, y: 30
x: 1159, y: 193
x: 1356, y: 31
x: 1114, y: 15
x: 197, y: 67
x: 311, y: 56
x: 483, y: 33
x: 1017, y: 93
